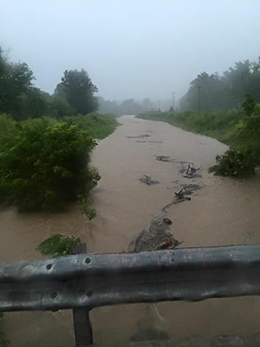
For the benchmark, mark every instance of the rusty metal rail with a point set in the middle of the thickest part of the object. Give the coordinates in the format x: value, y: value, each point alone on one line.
x: 93, y: 280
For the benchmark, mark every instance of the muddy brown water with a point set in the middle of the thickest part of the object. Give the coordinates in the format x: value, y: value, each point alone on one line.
x: 223, y: 212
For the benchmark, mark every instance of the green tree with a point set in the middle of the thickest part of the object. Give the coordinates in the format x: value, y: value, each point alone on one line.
x: 15, y: 82
x: 34, y: 104
x: 223, y: 92
x: 59, y: 108
x: 78, y: 90
x: 107, y: 106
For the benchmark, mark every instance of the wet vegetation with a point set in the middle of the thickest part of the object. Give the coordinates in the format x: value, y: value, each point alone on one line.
x: 237, y: 128
x: 58, y: 245
x: 216, y: 124
x: 226, y: 108
x: 46, y: 141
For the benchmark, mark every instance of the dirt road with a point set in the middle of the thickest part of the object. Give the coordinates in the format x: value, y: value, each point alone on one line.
x: 222, y: 212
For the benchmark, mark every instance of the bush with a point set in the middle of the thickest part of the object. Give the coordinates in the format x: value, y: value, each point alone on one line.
x: 8, y: 132
x: 58, y: 245
x: 47, y: 167
x: 235, y: 163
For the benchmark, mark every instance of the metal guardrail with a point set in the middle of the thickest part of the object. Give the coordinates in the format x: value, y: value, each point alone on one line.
x: 94, y: 280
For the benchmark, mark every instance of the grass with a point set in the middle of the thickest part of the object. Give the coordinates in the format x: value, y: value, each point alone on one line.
x: 220, y: 125
x: 98, y: 126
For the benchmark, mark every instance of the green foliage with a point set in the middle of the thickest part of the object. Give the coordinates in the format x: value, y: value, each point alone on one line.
x: 59, y: 108
x: 78, y: 90
x: 242, y: 162
x: 248, y: 105
x: 239, y: 128
x: 58, y: 245
x: 208, y: 92
x: 47, y: 167
x: 235, y: 163
x: 87, y: 209
x: 218, y: 124
x: 96, y: 125
x: 8, y: 132
x: 20, y: 99
x: 15, y: 82
x: 3, y: 340
x: 34, y: 104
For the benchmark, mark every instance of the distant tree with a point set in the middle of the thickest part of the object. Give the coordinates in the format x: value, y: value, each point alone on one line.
x: 147, y: 105
x: 130, y: 106
x: 3, y: 63
x: 107, y: 106
x: 15, y: 82
x: 78, y: 90
x: 223, y: 92
x: 59, y: 91
x: 59, y: 108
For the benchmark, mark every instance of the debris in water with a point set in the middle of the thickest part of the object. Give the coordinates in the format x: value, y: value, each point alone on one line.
x: 163, y: 158
x: 138, y: 137
x: 190, y: 188
x: 180, y: 196
x: 150, y: 141
x: 157, y: 237
x: 191, y: 171
x: 147, y: 180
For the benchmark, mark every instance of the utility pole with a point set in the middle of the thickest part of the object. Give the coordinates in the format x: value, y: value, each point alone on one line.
x: 199, y: 104
x: 173, y: 101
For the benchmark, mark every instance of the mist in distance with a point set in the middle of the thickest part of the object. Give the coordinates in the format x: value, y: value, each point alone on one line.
x: 131, y: 49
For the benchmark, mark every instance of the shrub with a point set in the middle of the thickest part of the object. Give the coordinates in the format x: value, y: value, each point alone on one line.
x: 58, y: 245
x: 8, y: 131
x: 235, y: 163
x: 47, y: 167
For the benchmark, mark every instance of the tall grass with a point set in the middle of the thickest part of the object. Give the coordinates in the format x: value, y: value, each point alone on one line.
x: 97, y: 126
x: 220, y: 125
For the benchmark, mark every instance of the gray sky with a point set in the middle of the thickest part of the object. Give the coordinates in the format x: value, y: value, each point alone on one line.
x: 130, y: 48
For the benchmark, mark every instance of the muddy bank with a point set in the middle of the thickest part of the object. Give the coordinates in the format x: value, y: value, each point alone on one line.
x: 221, y: 212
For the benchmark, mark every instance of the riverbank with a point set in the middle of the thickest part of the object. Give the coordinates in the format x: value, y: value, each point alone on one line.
x: 219, y: 125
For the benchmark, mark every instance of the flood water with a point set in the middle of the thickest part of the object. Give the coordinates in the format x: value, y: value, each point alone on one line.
x: 222, y: 212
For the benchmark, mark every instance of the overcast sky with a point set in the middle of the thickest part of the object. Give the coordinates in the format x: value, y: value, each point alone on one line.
x: 130, y: 48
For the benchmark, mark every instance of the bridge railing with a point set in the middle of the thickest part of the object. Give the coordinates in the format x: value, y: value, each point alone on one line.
x: 85, y: 281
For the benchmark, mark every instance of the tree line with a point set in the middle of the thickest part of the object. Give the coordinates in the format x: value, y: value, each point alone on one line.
x: 46, y: 140
x: 75, y: 94
x: 226, y: 91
